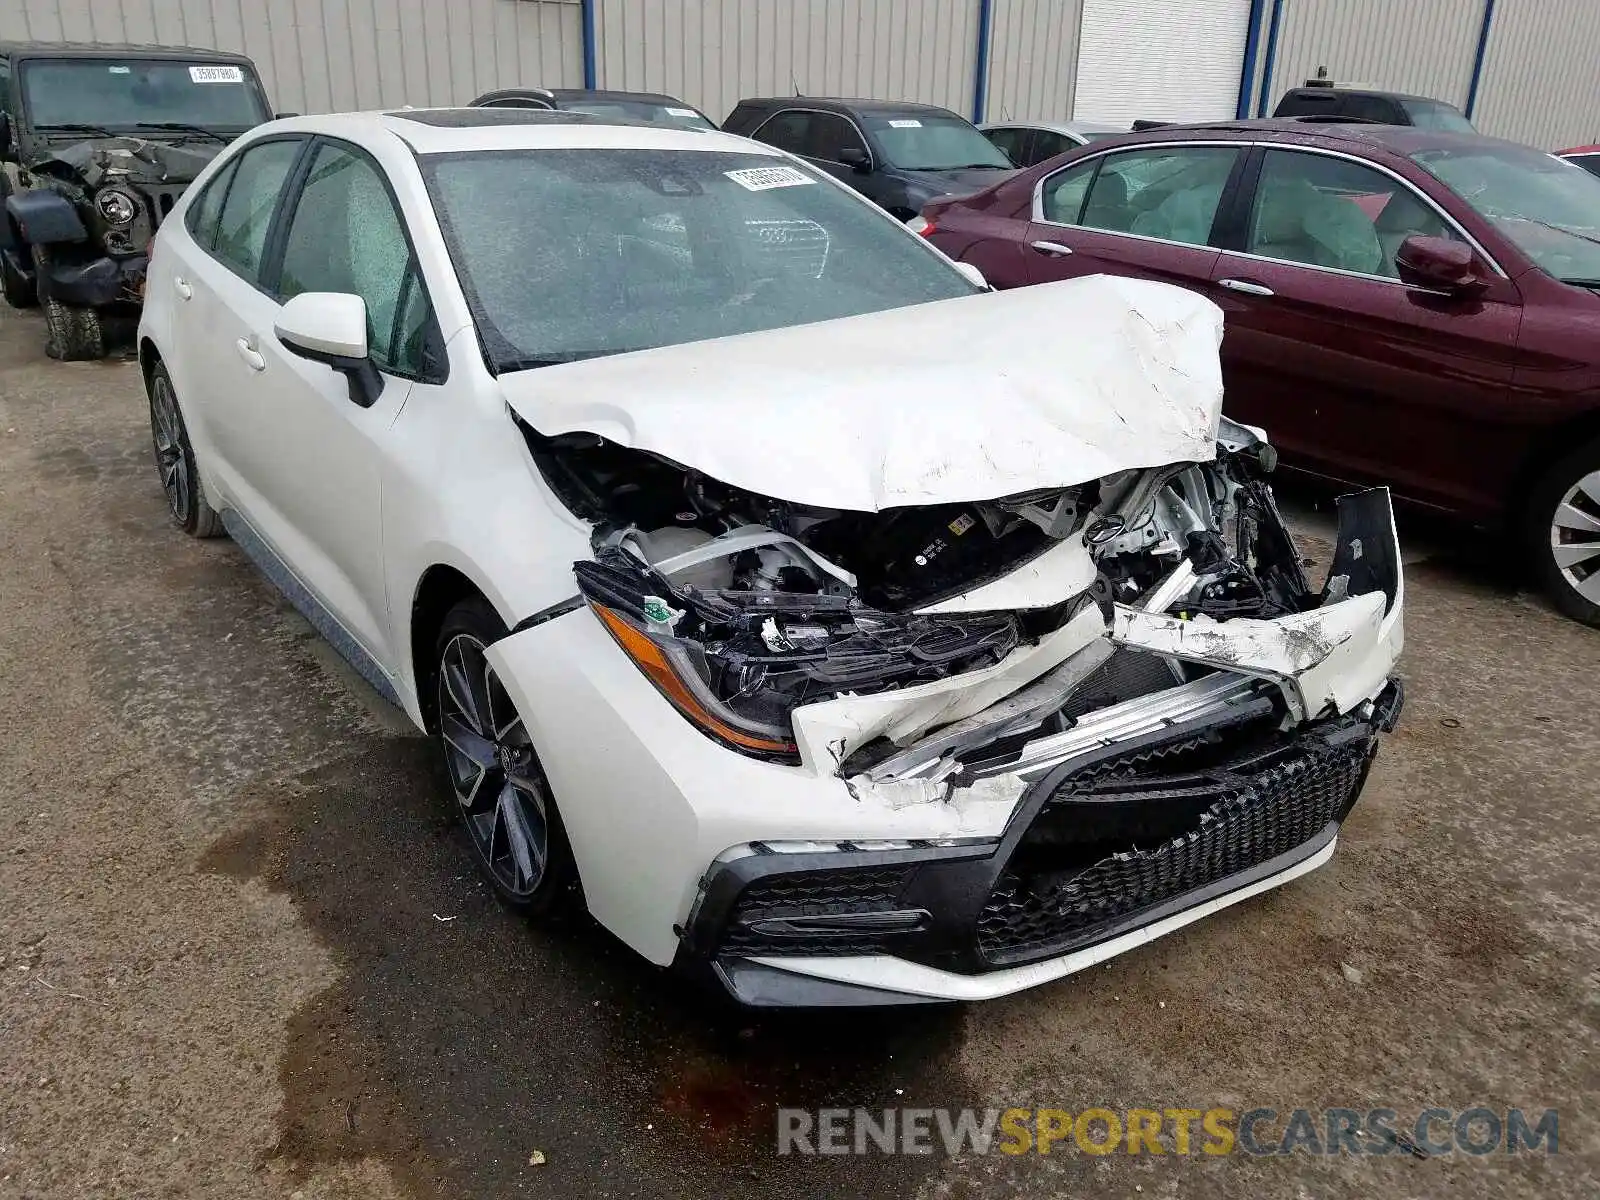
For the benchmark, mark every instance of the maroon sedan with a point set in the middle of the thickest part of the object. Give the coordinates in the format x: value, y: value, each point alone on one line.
x: 1403, y: 306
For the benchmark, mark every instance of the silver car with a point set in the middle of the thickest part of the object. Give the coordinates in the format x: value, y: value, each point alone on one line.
x: 1028, y: 142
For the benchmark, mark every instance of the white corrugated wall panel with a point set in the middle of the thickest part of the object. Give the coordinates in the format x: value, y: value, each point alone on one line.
x: 322, y: 55
x: 1161, y: 59
x: 1425, y: 47
x: 1033, y: 59
x: 1541, y: 73
x: 712, y: 53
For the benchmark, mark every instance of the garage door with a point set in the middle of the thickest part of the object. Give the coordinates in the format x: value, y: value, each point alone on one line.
x: 1173, y: 60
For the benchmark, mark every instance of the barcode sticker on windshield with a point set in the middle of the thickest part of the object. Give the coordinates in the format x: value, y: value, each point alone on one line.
x: 905, y: 124
x: 216, y: 74
x: 682, y: 112
x: 762, y: 179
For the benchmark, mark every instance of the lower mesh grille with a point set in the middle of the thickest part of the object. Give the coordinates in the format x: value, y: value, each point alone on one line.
x: 1064, y: 886
x: 813, y: 894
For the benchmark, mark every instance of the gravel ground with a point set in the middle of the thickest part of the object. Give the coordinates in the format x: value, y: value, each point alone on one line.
x: 242, y: 952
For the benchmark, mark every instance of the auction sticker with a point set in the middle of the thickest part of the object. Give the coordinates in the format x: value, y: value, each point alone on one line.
x: 216, y: 74
x: 682, y: 112
x: 905, y: 124
x: 764, y: 179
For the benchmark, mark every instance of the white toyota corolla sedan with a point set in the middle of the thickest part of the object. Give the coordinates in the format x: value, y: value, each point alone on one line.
x: 843, y: 631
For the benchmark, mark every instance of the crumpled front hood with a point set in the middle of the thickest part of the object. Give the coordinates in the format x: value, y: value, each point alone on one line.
x: 131, y: 160
x: 968, y: 399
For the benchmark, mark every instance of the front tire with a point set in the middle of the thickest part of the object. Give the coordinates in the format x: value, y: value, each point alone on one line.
x: 72, y: 333
x: 497, y: 784
x: 169, y: 437
x: 1561, y: 533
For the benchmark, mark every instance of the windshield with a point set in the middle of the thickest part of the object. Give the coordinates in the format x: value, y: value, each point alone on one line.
x: 638, y: 110
x: 1435, y: 114
x: 1548, y: 207
x: 933, y: 143
x: 123, y: 95
x: 569, y: 254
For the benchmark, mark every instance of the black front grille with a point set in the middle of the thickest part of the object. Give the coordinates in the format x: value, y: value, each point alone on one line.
x: 1131, y: 834
x: 161, y: 200
x: 813, y: 894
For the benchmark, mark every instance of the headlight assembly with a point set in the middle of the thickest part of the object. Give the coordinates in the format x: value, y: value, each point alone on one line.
x: 116, y: 205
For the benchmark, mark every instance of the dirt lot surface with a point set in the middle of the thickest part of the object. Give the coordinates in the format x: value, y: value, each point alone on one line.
x: 243, y: 953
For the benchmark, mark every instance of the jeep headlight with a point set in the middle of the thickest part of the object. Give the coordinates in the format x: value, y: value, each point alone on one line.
x: 117, y: 206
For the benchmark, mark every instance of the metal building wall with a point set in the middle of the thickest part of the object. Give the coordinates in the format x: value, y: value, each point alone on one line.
x: 1421, y: 46
x: 711, y: 53
x: 330, y: 55
x: 1033, y: 59
x: 1541, y: 73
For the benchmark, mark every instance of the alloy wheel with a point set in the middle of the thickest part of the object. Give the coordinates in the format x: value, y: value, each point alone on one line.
x: 166, y: 432
x: 1575, y: 537
x: 496, y: 778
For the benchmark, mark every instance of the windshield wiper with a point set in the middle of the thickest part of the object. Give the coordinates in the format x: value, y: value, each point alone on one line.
x: 976, y: 167
x: 75, y: 127
x: 181, y: 127
x: 1583, y: 283
x: 550, y: 360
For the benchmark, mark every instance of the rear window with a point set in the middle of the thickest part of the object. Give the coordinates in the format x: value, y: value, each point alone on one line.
x: 1435, y: 114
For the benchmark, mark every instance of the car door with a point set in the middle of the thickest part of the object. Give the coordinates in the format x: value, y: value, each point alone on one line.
x: 341, y: 231
x: 1355, y: 375
x: 1146, y: 213
x: 216, y: 280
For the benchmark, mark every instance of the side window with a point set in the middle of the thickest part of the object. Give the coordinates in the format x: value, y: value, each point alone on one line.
x: 787, y: 131
x: 251, y: 200
x: 5, y: 85
x: 1064, y: 192
x: 1330, y: 212
x: 345, y: 236
x: 832, y: 134
x: 1374, y: 108
x: 201, y: 218
x: 1013, y: 143
x: 1170, y: 193
x: 1047, y: 145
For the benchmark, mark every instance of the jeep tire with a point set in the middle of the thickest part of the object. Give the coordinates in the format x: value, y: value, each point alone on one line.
x: 72, y: 333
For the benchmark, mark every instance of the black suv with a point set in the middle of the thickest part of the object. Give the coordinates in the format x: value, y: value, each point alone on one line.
x: 629, y: 106
x: 898, y: 154
x: 97, y: 143
x: 1331, y: 102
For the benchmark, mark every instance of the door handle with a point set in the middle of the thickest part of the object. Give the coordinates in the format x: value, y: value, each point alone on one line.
x: 1053, y: 249
x: 181, y: 286
x: 252, y: 359
x: 1245, y: 286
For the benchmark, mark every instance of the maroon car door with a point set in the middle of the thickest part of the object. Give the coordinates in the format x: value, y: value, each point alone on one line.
x: 1354, y: 375
x: 1146, y: 212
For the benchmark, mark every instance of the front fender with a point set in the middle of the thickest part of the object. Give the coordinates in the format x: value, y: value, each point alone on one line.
x: 44, y: 217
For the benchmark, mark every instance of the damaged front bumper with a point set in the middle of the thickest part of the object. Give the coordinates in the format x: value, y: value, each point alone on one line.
x: 97, y: 282
x: 941, y: 873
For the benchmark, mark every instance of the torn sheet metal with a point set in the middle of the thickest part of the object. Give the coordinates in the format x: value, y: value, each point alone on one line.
x: 958, y: 400
x: 1066, y: 569
x: 829, y: 732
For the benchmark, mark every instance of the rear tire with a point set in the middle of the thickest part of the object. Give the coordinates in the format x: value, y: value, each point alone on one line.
x: 180, y: 480
x: 498, y: 788
x: 18, y: 289
x: 1561, y: 533
x: 72, y: 333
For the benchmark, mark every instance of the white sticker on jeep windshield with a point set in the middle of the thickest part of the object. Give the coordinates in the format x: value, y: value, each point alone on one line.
x: 216, y: 74
x: 905, y: 124
x: 120, y: 70
x: 762, y: 179
x: 682, y: 112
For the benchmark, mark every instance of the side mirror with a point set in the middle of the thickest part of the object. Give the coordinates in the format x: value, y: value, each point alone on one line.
x: 857, y: 159
x: 974, y: 276
x: 1440, y: 264
x: 331, y: 328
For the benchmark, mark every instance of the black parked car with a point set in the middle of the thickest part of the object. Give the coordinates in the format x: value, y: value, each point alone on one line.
x: 97, y: 143
x: 1332, y: 102
x: 898, y: 154
x: 632, y: 106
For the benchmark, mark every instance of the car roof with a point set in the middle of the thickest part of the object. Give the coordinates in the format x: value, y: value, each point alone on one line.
x: 1403, y: 140
x: 1579, y: 150
x: 1365, y: 91
x: 449, y: 130
x: 115, y: 50
x: 844, y: 104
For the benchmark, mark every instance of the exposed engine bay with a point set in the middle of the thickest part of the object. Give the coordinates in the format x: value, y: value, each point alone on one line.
x: 759, y: 606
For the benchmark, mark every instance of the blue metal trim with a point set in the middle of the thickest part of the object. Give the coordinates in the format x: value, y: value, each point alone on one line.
x: 1272, y: 58
x: 1477, y: 61
x: 1247, y: 73
x: 586, y: 13
x: 282, y: 577
x: 981, y: 82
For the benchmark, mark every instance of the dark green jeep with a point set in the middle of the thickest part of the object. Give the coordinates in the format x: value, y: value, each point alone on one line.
x: 96, y: 144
